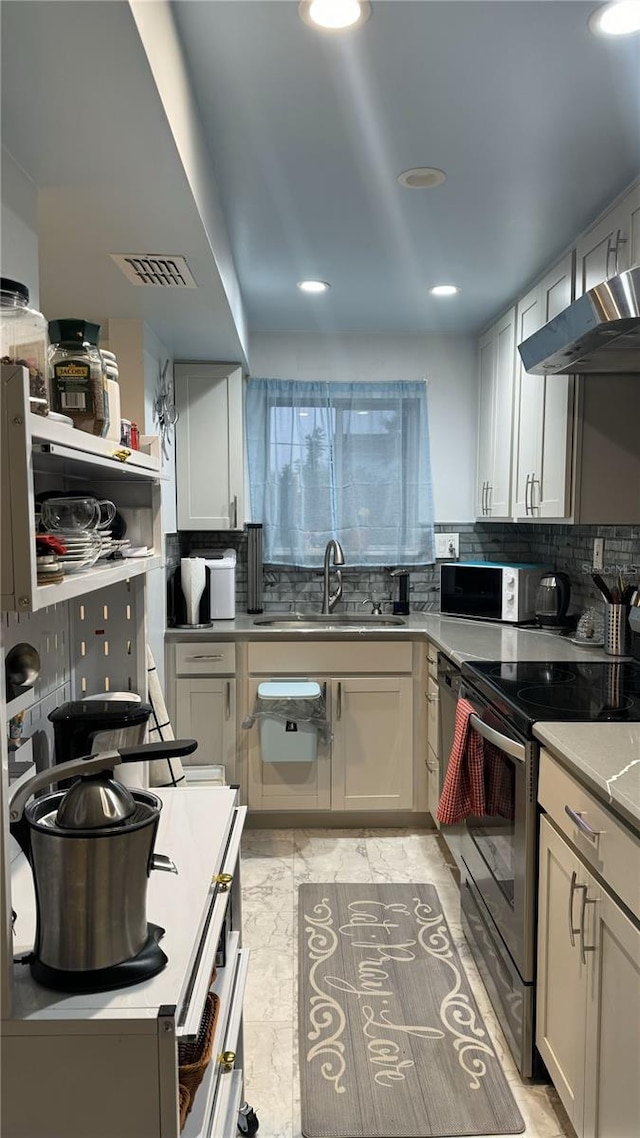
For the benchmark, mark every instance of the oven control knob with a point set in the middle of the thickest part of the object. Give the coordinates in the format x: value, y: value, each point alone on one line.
x: 511, y: 581
x: 510, y: 598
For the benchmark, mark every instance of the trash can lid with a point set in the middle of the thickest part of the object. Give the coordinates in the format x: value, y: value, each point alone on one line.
x: 225, y: 560
x: 289, y: 689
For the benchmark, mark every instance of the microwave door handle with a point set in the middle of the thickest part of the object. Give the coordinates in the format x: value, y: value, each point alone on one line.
x: 503, y: 742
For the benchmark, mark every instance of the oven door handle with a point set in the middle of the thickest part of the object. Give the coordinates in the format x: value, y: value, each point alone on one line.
x: 503, y: 742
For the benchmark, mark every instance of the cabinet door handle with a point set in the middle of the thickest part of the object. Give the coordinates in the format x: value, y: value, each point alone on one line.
x: 224, y: 882
x: 228, y: 701
x: 339, y: 701
x: 572, y: 931
x: 489, y: 494
x: 615, y: 249
x: 585, y: 948
x: 431, y: 698
x: 219, y: 656
x: 610, y: 249
x: 485, y: 496
x: 534, y: 481
x: 527, y: 501
x: 431, y: 660
x: 227, y: 1061
x: 583, y: 826
x: 235, y: 512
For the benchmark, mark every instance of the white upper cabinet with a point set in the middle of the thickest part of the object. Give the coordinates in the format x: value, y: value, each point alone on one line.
x: 496, y: 373
x: 210, y: 446
x: 544, y: 410
x: 611, y: 245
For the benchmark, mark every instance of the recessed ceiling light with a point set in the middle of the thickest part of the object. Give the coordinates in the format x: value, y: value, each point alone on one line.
x: 334, y: 15
x: 620, y: 18
x: 421, y: 178
x: 444, y: 290
x: 313, y: 286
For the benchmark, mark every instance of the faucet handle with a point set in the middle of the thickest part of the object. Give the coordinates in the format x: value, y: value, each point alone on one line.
x: 376, y: 606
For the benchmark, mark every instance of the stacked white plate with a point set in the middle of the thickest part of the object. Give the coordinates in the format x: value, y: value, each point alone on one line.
x: 82, y: 549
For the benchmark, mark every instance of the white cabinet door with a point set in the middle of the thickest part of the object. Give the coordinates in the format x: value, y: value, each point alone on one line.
x: 612, y: 1082
x: 544, y: 410
x: 561, y: 1000
x: 611, y: 245
x: 286, y: 785
x: 496, y: 375
x: 206, y: 711
x: 528, y: 413
x: 209, y: 447
x: 372, y: 765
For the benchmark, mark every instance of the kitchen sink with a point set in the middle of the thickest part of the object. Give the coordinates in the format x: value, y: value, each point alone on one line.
x: 341, y: 619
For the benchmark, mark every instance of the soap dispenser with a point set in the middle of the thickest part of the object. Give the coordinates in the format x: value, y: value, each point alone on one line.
x: 401, y: 601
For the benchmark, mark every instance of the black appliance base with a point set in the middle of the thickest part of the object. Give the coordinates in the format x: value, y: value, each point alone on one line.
x: 512, y: 999
x: 149, y: 961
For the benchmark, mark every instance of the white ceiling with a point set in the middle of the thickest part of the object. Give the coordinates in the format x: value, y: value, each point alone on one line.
x: 535, y: 121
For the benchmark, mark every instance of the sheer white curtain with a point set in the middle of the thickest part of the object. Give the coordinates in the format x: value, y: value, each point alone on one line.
x: 345, y: 460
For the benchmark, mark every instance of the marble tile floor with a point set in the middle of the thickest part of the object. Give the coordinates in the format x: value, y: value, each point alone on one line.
x: 274, y: 863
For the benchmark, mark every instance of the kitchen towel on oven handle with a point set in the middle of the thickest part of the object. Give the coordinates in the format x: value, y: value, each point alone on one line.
x: 463, y: 788
x: 477, y: 781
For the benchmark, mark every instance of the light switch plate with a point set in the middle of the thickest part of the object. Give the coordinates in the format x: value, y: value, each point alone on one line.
x: 598, y: 554
x: 448, y: 545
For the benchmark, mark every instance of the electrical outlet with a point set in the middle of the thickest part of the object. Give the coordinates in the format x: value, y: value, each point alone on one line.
x: 598, y: 554
x: 447, y: 545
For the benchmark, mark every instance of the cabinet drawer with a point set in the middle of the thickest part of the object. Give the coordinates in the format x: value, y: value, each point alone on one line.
x: 205, y: 658
x: 273, y: 657
x: 614, y: 852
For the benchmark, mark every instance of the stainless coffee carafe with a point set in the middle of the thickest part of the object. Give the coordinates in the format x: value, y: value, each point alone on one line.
x: 91, y: 851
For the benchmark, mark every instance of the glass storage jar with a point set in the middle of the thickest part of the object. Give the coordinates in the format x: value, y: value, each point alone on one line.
x: 78, y: 386
x: 24, y: 340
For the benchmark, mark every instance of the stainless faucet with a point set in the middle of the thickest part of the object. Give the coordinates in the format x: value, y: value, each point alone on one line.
x: 330, y: 600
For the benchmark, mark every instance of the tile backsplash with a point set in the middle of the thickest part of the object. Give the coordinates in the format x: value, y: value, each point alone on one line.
x: 564, y: 547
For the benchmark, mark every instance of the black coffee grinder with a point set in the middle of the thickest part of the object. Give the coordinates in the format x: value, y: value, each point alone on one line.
x: 401, y: 602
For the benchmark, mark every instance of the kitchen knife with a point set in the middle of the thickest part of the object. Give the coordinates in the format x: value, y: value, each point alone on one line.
x: 602, y: 587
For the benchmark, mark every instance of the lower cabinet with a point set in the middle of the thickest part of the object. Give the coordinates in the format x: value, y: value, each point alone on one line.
x: 433, y: 744
x: 206, y: 711
x: 588, y: 996
x: 371, y: 767
x: 286, y: 785
x: 368, y: 765
x: 202, y: 702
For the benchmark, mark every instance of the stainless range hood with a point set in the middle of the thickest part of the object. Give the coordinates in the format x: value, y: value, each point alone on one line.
x: 598, y: 334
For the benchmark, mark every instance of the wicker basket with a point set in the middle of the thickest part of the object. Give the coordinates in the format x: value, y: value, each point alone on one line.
x: 194, y: 1055
x: 184, y: 1104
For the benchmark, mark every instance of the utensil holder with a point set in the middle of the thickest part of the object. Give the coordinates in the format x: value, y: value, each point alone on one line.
x: 617, y: 634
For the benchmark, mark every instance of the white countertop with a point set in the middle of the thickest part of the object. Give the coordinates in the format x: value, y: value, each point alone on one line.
x: 460, y: 639
x: 605, y: 756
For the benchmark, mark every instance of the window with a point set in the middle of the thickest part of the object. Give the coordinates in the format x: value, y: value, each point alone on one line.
x: 344, y: 460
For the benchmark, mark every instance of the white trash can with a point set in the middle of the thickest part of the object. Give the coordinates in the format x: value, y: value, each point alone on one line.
x: 288, y: 741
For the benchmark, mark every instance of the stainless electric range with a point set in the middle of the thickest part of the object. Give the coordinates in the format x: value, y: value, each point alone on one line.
x: 499, y: 849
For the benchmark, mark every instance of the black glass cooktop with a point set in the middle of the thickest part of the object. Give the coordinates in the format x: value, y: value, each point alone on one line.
x: 572, y: 691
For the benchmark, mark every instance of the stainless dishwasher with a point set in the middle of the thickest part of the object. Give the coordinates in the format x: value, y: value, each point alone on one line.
x: 449, y: 689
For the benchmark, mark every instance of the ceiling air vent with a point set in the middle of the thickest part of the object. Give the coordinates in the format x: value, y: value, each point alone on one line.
x: 155, y: 270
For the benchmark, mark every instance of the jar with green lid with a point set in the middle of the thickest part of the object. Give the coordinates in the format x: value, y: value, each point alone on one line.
x: 78, y: 386
x: 24, y: 340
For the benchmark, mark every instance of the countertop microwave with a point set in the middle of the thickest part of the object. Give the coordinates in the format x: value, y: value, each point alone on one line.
x: 490, y: 590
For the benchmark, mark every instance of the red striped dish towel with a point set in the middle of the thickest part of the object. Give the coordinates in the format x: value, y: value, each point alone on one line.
x: 463, y: 790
